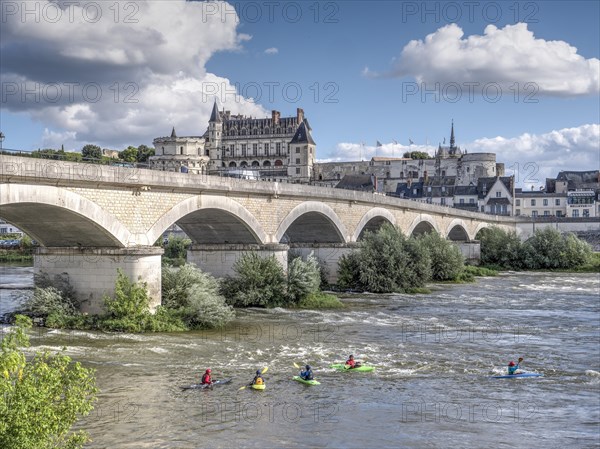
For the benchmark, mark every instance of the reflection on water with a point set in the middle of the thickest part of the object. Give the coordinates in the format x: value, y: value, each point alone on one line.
x: 432, y: 387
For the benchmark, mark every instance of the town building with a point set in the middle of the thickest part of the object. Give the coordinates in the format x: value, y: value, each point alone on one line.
x: 7, y: 228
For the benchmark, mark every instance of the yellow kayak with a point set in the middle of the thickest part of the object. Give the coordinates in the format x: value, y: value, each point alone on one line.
x: 259, y: 386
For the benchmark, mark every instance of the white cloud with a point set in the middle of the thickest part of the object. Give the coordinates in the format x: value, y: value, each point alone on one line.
x: 530, y: 157
x: 504, y: 56
x: 149, y: 66
x: 272, y: 51
x: 533, y: 158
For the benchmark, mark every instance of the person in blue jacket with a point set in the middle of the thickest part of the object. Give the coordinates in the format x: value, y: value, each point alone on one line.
x: 307, y: 374
x: 512, y: 367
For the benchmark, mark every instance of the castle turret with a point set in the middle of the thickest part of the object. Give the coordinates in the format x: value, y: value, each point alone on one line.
x: 215, y: 135
x: 303, y: 151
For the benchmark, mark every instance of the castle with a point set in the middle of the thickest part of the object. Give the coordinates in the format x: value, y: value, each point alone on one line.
x: 274, y: 149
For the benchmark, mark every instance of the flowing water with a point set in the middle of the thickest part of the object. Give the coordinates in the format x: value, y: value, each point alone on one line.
x: 432, y: 387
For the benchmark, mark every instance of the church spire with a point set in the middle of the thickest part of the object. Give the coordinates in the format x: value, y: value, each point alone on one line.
x: 215, y: 116
x: 173, y: 135
x: 452, y: 135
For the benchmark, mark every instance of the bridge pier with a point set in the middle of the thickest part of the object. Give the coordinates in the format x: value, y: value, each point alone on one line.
x: 218, y: 259
x: 471, y: 251
x: 328, y: 255
x: 93, y: 271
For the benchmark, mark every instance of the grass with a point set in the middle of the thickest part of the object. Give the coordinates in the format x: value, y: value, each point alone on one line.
x: 320, y: 300
x: 417, y: 290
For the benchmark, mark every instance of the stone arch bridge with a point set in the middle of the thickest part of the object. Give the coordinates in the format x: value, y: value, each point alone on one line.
x: 93, y: 219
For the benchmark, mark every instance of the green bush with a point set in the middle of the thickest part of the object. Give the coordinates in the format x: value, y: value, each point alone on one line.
x: 447, y: 262
x: 501, y: 248
x: 41, y: 398
x: 195, y: 296
x: 386, y: 262
x: 480, y: 271
x: 46, y: 301
x: 320, y: 300
x: 176, y: 248
x: 259, y: 282
x: 304, y: 278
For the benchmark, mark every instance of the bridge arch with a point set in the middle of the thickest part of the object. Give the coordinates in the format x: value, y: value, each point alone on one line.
x: 57, y: 217
x: 318, y: 222
x: 422, y: 224
x: 373, y: 220
x: 480, y: 227
x: 211, y: 219
x: 457, y: 231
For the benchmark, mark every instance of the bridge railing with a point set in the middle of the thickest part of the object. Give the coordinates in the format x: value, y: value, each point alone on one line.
x: 73, y: 157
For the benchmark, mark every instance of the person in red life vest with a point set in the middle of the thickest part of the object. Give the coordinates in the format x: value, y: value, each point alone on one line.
x: 206, y: 379
x: 351, y: 363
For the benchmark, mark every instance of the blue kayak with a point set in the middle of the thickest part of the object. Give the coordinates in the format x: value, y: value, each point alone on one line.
x: 516, y: 376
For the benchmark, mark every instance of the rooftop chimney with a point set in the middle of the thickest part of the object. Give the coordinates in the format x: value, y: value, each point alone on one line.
x: 300, y: 115
x: 275, y: 117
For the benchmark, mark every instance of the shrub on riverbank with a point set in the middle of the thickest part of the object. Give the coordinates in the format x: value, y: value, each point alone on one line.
x: 320, y: 300
x: 259, y: 282
x: 304, y: 278
x: 195, y: 296
x: 447, y: 262
x: 385, y: 262
x: 41, y: 398
x: 547, y: 249
x: 175, y: 250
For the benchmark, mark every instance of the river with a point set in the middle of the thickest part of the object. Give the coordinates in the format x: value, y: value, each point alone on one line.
x: 434, y: 355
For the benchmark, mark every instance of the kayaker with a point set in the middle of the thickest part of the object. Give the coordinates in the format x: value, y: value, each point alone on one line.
x: 258, y: 380
x: 206, y: 379
x: 352, y: 363
x: 512, y: 367
x: 307, y: 374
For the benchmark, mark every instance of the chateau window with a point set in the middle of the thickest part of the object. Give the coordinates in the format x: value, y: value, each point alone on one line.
x: 557, y: 201
x: 586, y: 212
x: 518, y: 212
x: 443, y: 201
x: 267, y: 130
x: 278, y: 131
x: 471, y: 201
x: 278, y: 148
x: 297, y: 160
x: 468, y: 169
x: 498, y: 194
x: 462, y: 201
x: 232, y: 149
x: 546, y: 213
x: 518, y: 202
x: 254, y: 149
x: 297, y: 170
x: 255, y: 131
x: 297, y: 150
x: 443, y: 172
x: 533, y: 204
x: 575, y: 213
x: 545, y: 203
x: 266, y: 149
x: 244, y: 150
x: 181, y: 150
x: 534, y: 213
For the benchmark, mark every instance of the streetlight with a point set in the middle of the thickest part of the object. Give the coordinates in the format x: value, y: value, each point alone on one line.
x: 1, y: 140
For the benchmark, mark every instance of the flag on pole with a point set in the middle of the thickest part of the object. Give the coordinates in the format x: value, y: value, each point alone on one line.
x: 410, y: 142
x: 378, y: 144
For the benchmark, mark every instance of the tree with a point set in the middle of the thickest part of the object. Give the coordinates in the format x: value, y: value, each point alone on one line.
x: 91, y: 152
x: 549, y: 249
x: 129, y: 154
x: 417, y: 155
x: 144, y: 152
x: 501, y: 248
x: 41, y: 399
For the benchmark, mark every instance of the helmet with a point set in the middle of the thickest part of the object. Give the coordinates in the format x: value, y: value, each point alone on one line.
x: 307, y: 367
x: 511, y: 364
x: 351, y: 356
x: 208, y: 371
x: 258, y: 371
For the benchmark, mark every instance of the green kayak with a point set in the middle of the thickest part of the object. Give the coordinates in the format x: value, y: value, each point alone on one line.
x: 306, y: 382
x: 362, y: 368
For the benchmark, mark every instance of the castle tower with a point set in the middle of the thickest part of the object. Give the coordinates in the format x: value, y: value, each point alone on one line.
x: 215, y: 136
x: 302, y: 154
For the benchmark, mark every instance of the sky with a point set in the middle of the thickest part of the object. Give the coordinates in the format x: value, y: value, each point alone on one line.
x: 521, y: 79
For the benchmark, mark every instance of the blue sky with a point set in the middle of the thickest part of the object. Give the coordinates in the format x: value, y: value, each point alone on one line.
x: 351, y: 54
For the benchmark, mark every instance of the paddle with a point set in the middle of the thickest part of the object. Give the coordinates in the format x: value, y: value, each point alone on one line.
x: 263, y: 371
x: 296, y: 365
